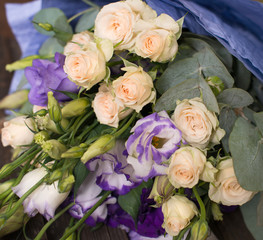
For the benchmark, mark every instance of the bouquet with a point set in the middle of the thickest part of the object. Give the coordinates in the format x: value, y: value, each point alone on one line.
x: 129, y: 121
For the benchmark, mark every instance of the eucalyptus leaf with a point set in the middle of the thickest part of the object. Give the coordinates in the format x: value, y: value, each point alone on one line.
x: 222, y: 53
x: 245, y: 144
x: 242, y: 75
x: 259, y: 121
x: 186, y: 90
x: 50, y: 47
x: 131, y: 201
x: 235, y: 98
x: 227, y: 120
x: 87, y: 20
x: 54, y: 17
x: 80, y: 173
x: 204, y: 64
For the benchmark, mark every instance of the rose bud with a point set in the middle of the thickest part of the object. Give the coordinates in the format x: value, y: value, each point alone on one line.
x: 187, y: 163
x: 178, y: 211
x: 226, y: 189
x: 14, y: 100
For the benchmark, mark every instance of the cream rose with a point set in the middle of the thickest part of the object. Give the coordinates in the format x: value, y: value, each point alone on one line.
x: 116, y: 21
x: 86, y: 68
x: 199, y: 126
x: 157, y: 39
x: 177, y: 211
x: 16, y: 132
x: 226, y: 189
x: 107, y: 110
x: 185, y: 167
x: 134, y: 89
x: 78, y: 42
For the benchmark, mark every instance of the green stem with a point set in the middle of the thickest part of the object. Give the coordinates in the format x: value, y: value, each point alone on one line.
x: 9, y: 168
x: 201, y: 204
x: 8, y: 214
x: 79, y: 14
x: 123, y: 129
x: 87, y: 130
x: 47, y: 225
x: 82, y: 220
x: 91, y: 4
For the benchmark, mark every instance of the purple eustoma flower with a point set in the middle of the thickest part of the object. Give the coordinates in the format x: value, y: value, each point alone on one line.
x: 87, y: 196
x: 155, y: 138
x: 45, y: 76
x: 112, y: 170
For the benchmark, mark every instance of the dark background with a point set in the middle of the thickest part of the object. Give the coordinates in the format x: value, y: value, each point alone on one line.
x: 232, y: 228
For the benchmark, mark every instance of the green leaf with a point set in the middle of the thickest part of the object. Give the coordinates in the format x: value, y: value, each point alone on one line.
x: 50, y: 47
x: 235, y: 98
x: 245, y: 144
x: 87, y: 20
x: 53, y: 16
x: 227, y: 118
x: 186, y: 90
x: 252, y: 214
x: 259, y: 121
x: 80, y: 173
x: 242, y: 75
x: 131, y: 201
x: 204, y: 64
x: 27, y: 109
x: 222, y: 53
x: 68, y: 94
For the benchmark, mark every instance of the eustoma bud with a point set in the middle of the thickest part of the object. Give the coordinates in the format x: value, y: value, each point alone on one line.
x: 41, y: 137
x: 162, y: 189
x: 100, y: 146
x: 200, y: 230
x: 66, y: 183
x: 53, y: 148
x: 54, y: 108
x: 75, y: 107
x: 75, y: 152
x: 14, y: 100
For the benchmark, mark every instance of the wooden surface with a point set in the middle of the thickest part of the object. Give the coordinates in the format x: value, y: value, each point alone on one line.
x: 232, y: 228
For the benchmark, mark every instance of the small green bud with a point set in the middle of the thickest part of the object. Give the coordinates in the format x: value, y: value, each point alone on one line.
x: 75, y: 107
x: 14, y: 100
x: 6, y: 185
x: 21, y: 64
x: 66, y: 184
x: 54, y: 108
x: 54, y: 148
x: 41, y: 112
x: 199, y: 230
x: 216, y: 212
x: 216, y: 84
x: 55, y: 175
x: 74, y: 152
x: 48, y: 27
x: 41, y: 137
x: 100, y: 146
x: 15, y: 222
x: 162, y: 190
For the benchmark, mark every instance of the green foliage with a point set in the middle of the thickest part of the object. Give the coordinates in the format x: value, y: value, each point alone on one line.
x: 50, y: 47
x: 131, y: 202
x: 80, y: 173
x: 235, y: 98
x: 245, y: 143
x: 87, y: 20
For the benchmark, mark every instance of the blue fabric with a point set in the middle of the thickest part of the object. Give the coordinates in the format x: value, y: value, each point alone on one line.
x: 237, y: 24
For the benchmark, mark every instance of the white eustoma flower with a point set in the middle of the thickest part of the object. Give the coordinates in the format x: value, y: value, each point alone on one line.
x: 45, y: 199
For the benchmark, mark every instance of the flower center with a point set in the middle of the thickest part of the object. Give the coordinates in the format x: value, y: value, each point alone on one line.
x: 158, y: 142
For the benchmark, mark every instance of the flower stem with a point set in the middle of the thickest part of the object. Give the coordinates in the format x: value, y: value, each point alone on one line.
x: 9, y: 168
x: 123, y: 129
x: 201, y: 204
x: 82, y: 220
x: 80, y: 13
x: 8, y: 214
x: 47, y: 225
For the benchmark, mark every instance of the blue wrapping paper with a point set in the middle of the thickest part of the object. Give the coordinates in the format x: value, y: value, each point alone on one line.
x: 236, y: 24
